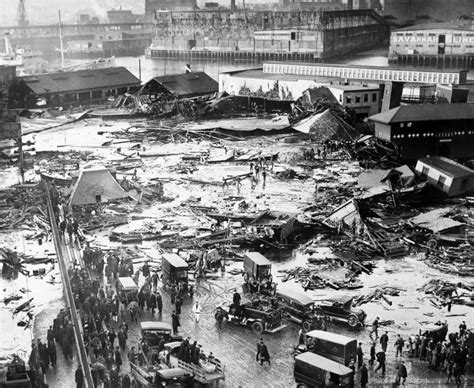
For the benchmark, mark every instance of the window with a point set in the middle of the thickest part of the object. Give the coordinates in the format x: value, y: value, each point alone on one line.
x: 441, y: 181
x: 366, y: 97
x: 357, y: 99
x: 348, y: 100
x: 425, y: 171
x: 374, y: 97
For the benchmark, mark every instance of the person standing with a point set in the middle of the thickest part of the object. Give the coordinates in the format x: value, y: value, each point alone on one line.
x: 381, y: 361
x: 175, y: 322
x: 159, y: 302
x: 118, y: 358
x: 384, y: 341
x: 360, y: 356
x: 236, y: 298
x: 364, y: 376
x: 402, y: 373
x: 197, y: 311
x: 79, y: 376
x: 178, y: 303
x: 154, y: 279
x: 372, y: 354
x: 152, y: 303
x: 264, y: 355
x: 399, y: 343
x: 375, y: 325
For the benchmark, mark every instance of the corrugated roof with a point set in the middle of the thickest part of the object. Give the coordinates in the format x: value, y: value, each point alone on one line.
x: 81, y: 80
x: 447, y: 166
x: 425, y: 112
x: 189, y: 84
x: 436, y: 26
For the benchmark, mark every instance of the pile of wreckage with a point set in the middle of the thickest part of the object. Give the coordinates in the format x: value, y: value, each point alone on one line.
x: 441, y: 292
x: 22, y: 207
x: 390, y: 219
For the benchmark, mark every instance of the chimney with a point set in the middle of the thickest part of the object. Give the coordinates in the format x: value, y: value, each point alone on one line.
x: 8, y: 44
x: 232, y: 6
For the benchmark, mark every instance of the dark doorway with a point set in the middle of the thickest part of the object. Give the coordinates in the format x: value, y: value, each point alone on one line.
x: 441, y: 44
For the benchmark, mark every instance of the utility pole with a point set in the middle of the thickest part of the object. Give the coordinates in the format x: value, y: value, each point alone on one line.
x: 61, y: 40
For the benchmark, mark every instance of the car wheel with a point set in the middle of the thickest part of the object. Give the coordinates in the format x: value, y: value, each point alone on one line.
x: 306, y: 326
x: 257, y: 327
x: 353, y: 321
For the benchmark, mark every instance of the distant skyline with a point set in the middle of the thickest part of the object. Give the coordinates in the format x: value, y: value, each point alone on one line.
x: 46, y: 11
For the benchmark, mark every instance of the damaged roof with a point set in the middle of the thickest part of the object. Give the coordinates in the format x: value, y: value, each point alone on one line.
x: 81, y: 80
x: 447, y: 166
x: 425, y: 112
x: 435, y: 221
x: 188, y: 84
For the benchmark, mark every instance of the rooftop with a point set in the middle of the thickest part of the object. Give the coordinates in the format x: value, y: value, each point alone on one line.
x: 81, y: 80
x: 447, y: 166
x: 188, y: 84
x: 425, y: 112
x: 440, y: 26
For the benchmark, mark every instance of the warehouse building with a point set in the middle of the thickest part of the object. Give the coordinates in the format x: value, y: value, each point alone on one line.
x: 75, y: 87
x: 440, y: 45
x: 428, y: 129
x: 298, y: 35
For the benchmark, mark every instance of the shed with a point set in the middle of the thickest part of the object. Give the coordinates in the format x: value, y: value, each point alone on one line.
x: 96, y: 185
x: 451, y: 177
x: 185, y: 85
x: 81, y: 81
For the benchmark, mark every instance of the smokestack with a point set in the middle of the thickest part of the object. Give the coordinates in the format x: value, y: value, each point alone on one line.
x: 350, y: 4
x: 8, y: 44
x: 232, y: 5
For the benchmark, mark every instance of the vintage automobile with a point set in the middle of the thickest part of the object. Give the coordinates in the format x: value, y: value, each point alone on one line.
x: 312, y: 370
x: 15, y: 374
x: 154, y: 331
x: 334, y: 346
x: 299, y: 308
x: 340, y: 310
x: 154, y: 377
x: 258, y: 274
x: 259, y: 314
x: 128, y: 287
x: 208, y: 372
x: 174, y: 269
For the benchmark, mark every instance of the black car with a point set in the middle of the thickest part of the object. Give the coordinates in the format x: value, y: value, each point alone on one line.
x: 340, y: 310
x: 299, y: 308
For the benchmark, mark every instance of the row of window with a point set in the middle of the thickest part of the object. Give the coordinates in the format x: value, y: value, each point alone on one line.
x: 432, y: 134
x: 358, y: 98
x: 383, y: 74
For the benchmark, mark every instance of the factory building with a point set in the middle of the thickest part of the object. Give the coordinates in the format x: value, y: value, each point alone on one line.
x: 441, y: 45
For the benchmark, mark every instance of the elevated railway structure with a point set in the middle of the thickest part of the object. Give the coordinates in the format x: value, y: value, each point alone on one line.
x: 68, y: 256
